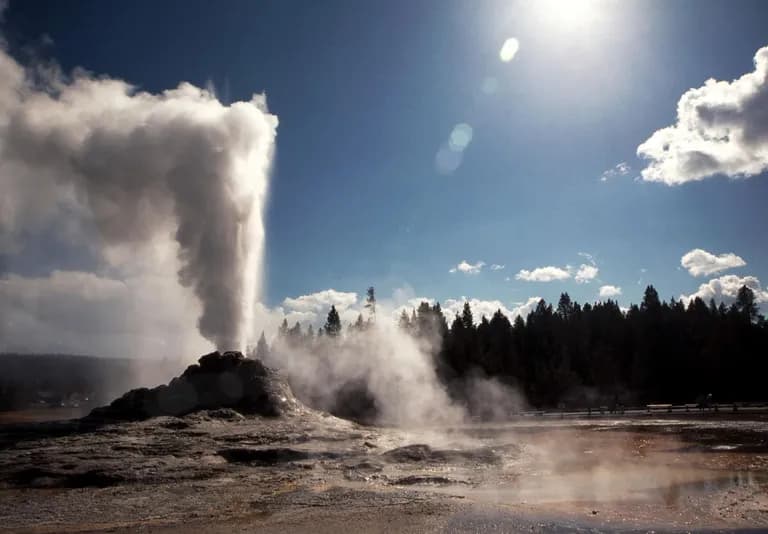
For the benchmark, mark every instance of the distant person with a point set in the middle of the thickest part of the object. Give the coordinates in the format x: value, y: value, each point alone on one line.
x: 705, y: 402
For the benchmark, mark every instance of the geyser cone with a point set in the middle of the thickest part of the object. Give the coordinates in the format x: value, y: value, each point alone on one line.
x: 218, y: 380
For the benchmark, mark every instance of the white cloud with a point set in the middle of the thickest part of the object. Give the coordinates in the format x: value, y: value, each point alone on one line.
x: 586, y: 273
x: 722, y: 128
x: 497, y: 267
x: 313, y: 308
x: 410, y: 305
x: 488, y: 307
x: 608, y: 291
x: 726, y: 288
x: 468, y: 268
x: 699, y: 262
x: 509, y: 49
x: 620, y: 169
x: 543, y: 274
x: 321, y: 301
x: 524, y: 308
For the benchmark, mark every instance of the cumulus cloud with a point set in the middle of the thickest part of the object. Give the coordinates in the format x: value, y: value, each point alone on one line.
x: 468, y: 268
x: 726, y: 288
x: 620, y: 169
x: 608, y: 291
x: 488, y: 307
x: 497, y: 267
x: 120, y: 172
x: 543, y: 274
x: 524, y: 308
x: 586, y: 273
x: 313, y: 308
x: 721, y: 129
x: 322, y: 300
x: 699, y: 262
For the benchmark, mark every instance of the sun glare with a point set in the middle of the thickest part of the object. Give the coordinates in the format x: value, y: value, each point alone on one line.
x: 567, y: 15
x: 509, y: 49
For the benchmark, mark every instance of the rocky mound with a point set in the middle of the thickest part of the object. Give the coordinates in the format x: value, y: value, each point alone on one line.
x: 218, y: 380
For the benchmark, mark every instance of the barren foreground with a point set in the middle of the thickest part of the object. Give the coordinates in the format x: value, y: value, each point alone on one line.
x: 219, y: 471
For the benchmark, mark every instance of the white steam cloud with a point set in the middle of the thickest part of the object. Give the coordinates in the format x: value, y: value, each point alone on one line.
x: 396, y: 370
x: 124, y: 173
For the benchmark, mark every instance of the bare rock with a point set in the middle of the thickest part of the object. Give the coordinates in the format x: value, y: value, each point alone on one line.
x: 421, y: 453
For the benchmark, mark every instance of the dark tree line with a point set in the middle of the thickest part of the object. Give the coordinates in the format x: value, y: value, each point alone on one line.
x: 590, y: 354
x: 582, y: 355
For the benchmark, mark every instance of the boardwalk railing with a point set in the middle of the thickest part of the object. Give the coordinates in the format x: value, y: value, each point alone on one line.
x: 649, y: 409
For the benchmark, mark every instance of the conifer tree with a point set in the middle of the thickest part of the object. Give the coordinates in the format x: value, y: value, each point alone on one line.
x: 333, y: 323
x: 262, y: 349
x: 370, y: 304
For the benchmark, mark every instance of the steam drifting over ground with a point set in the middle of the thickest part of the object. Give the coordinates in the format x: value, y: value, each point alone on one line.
x: 146, y: 184
x: 395, y: 370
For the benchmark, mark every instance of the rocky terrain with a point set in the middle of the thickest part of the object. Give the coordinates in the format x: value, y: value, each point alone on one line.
x: 190, y: 456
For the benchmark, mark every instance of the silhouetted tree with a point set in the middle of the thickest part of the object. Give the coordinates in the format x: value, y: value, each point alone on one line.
x: 359, y: 325
x: 745, y: 304
x: 282, y: 331
x: 294, y: 334
x: 404, y: 323
x: 262, y: 349
x: 466, y: 317
x: 650, y: 300
x: 565, y: 306
x: 370, y: 303
x: 333, y: 323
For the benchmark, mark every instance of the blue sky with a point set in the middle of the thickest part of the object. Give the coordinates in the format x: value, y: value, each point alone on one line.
x: 368, y: 92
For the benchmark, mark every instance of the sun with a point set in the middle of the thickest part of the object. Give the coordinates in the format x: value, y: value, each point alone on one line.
x: 567, y: 15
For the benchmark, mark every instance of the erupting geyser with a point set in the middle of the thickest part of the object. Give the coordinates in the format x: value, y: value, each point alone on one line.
x: 133, y: 171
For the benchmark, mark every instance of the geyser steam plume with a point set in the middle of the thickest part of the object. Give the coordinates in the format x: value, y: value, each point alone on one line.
x: 130, y: 171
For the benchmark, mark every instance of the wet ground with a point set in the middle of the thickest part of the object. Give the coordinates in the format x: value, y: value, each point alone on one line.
x: 222, y: 472
x: 41, y: 415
